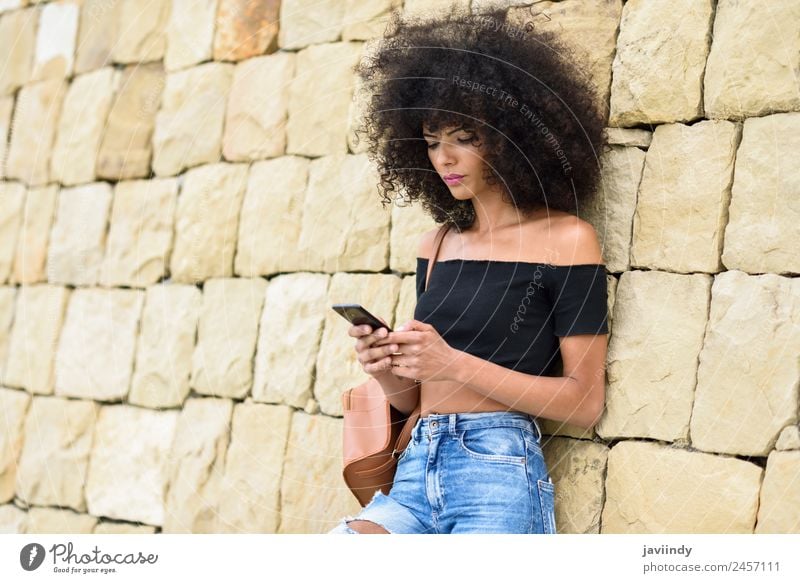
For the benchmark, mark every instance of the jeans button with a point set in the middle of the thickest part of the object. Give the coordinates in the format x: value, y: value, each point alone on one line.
x: 434, y: 423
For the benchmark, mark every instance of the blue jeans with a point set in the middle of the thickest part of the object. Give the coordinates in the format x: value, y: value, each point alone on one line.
x: 467, y: 473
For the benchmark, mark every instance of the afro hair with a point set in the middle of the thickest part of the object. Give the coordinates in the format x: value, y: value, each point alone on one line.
x: 515, y: 87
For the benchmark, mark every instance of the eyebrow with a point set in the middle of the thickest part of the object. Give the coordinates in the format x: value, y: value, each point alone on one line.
x: 448, y: 133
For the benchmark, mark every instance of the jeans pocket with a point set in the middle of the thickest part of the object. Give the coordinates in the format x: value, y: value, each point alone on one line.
x: 547, y: 502
x: 494, y: 444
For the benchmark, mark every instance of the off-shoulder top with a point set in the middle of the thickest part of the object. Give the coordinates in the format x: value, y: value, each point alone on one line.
x: 512, y: 312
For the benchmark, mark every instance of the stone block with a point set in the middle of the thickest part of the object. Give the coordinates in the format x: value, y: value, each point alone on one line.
x: 653, y: 489
x: 54, y: 461
x: 319, y: 99
x: 12, y: 204
x: 80, y: 130
x: 760, y: 233
x: 207, y: 221
x: 190, y: 120
x: 659, y: 62
x: 366, y: 19
x: 97, y: 34
x: 140, y: 233
x: 32, y: 348
x: 611, y: 209
x: 752, y: 67
x: 633, y: 137
x: 18, y: 46
x: 288, y: 338
x: 78, y: 238
x: 577, y: 468
x: 58, y: 521
x: 255, y: 122
x: 34, y: 235
x: 55, y: 40
x: 308, y: 22
x: 746, y: 384
x: 127, y: 471
x: 246, y: 28
x: 587, y: 28
x: 250, y: 499
x: 12, y: 519
x: 271, y: 217
x: 196, y: 466
x: 409, y: 223
x: 312, y: 488
x: 35, y: 120
x: 684, y: 195
x: 652, y: 369
x: 340, y: 188
x: 96, y: 347
x: 141, y: 32
x: 126, y: 148
x: 779, y: 510
x: 222, y: 365
x: 14, y: 405
x: 190, y: 33
x: 165, y: 347
x: 789, y: 438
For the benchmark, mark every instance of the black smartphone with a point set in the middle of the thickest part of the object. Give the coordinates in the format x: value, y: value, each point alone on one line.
x: 357, y: 315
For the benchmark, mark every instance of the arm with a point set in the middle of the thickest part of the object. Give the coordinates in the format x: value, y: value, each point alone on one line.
x: 404, y: 393
x: 577, y: 397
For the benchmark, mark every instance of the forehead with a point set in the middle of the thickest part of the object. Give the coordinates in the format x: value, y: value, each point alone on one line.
x: 427, y: 130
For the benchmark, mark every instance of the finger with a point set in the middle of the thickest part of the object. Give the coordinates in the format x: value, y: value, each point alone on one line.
x: 359, y: 331
x: 368, y: 340
x: 381, y: 351
x: 378, y: 366
x: 379, y: 334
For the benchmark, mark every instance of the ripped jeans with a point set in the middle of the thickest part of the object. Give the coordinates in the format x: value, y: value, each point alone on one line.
x: 467, y: 473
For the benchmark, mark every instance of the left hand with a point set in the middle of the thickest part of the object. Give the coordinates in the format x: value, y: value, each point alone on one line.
x: 425, y: 355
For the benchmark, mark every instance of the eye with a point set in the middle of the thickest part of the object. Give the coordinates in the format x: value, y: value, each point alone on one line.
x: 432, y: 145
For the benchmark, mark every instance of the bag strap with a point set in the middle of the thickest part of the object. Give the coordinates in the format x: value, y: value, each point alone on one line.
x: 437, y: 244
x: 405, y: 433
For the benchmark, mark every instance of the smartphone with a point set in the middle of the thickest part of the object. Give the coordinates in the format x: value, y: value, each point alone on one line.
x: 357, y: 315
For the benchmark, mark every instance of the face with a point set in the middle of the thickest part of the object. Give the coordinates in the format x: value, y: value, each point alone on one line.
x: 458, y: 161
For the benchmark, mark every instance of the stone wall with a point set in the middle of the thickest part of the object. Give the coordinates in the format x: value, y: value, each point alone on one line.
x: 181, y: 200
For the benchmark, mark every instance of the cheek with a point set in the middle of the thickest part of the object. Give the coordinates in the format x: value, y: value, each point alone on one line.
x: 473, y: 159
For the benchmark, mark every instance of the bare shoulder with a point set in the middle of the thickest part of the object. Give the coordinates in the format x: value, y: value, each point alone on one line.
x: 576, y: 241
x: 425, y: 249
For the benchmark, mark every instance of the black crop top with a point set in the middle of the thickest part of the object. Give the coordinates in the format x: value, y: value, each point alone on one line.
x: 510, y: 312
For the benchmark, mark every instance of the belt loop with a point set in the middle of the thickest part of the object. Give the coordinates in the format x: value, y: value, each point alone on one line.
x: 538, y: 429
x: 452, y: 423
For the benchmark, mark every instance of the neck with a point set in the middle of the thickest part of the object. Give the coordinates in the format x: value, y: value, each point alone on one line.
x: 498, y: 215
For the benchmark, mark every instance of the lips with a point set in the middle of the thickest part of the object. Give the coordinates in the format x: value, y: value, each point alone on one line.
x: 453, y: 176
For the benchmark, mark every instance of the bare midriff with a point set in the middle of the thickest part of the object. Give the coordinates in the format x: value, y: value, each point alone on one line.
x: 452, y: 397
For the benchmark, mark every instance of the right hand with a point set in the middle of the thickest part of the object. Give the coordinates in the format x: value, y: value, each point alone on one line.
x: 372, y: 350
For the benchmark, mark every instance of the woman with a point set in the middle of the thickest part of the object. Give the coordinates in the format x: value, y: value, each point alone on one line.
x: 493, y: 131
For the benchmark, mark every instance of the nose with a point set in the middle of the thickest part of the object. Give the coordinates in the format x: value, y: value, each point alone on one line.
x: 444, y: 155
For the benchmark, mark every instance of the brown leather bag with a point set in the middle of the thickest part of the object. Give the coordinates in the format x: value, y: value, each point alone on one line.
x: 375, y: 433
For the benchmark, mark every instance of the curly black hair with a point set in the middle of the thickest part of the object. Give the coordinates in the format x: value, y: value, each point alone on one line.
x: 514, y: 87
